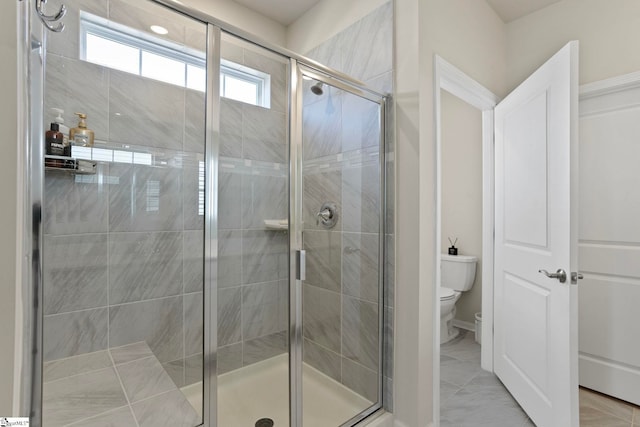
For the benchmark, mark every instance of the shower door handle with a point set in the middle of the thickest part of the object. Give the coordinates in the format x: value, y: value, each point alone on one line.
x: 301, y: 268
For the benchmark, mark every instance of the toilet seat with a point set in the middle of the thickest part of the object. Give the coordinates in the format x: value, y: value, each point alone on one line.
x: 447, y: 294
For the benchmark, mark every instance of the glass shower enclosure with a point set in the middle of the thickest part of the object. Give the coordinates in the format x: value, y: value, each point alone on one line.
x: 216, y: 256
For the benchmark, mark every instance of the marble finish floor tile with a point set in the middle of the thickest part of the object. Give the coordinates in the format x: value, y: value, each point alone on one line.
x: 464, y: 347
x: 130, y: 352
x: 459, y: 372
x: 170, y: 409
x: 72, y: 399
x: 470, y: 396
x: 75, y: 365
x: 121, y: 387
x: 447, y: 390
x: 117, y: 418
x: 144, y: 378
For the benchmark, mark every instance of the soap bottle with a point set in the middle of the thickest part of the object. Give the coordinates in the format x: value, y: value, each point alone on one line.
x: 54, y: 145
x: 81, y: 135
x: 63, y: 129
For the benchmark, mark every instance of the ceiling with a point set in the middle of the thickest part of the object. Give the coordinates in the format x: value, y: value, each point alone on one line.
x: 510, y: 10
x: 287, y: 11
x: 282, y: 11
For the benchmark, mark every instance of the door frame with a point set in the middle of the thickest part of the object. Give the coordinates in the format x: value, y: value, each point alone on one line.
x: 453, y: 80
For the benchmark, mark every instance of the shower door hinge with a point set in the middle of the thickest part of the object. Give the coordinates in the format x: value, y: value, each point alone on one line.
x: 301, y: 265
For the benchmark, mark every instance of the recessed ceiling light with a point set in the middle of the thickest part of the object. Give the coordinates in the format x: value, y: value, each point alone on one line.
x: 159, y: 30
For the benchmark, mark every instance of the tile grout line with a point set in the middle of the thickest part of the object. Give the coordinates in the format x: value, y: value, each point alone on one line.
x: 94, y: 416
x: 77, y: 375
x: 124, y: 391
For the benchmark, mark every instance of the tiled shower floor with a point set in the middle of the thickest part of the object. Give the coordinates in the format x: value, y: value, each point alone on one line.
x: 470, y: 396
x: 125, y: 386
x: 128, y: 387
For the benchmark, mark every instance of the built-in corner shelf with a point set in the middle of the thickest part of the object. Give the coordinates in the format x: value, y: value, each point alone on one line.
x: 276, y: 224
x: 69, y: 165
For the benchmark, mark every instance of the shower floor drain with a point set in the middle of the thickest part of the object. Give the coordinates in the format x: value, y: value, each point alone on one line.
x: 264, y: 422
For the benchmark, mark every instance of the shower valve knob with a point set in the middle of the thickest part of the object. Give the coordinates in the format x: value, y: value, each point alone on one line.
x: 327, y: 216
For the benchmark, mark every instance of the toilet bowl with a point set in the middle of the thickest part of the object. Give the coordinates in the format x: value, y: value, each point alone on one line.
x: 448, y: 299
x: 457, y: 275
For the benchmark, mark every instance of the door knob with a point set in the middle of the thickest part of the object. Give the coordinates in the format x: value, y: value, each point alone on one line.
x: 561, y: 275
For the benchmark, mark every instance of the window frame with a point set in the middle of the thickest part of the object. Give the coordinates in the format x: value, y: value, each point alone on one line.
x: 144, y: 42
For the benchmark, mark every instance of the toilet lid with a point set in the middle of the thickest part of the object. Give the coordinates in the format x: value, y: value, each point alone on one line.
x: 446, y: 294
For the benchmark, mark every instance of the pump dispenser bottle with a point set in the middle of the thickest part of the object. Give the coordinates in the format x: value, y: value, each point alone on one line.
x: 53, y: 140
x: 53, y: 146
x: 80, y: 135
x: 63, y: 129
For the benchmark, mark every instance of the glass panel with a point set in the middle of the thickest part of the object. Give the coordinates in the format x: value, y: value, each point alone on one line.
x: 123, y: 240
x: 116, y: 55
x: 341, y: 236
x: 162, y: 68
x: 253, y: 268
x: 196, y: 78
x: 240, y: 90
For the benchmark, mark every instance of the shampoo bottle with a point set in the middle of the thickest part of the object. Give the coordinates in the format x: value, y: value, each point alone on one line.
x: 81, y: 135
x: 63, y: 129
x: 54, y: 145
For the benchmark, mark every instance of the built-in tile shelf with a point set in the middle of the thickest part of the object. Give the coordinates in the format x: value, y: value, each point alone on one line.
x: 69, y: 165
x: 276, y: 224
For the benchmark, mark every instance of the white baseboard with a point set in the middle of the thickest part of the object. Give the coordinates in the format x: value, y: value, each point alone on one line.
x: 469, y: 326
x: 608, y: 377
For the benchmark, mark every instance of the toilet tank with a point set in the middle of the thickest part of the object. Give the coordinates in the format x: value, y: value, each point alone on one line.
x: 458, y: 271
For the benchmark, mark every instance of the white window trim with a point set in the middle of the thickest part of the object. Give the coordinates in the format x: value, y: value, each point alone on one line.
x: 142, y: 41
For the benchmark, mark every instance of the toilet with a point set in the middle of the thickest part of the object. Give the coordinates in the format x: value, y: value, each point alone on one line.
x: 457, y: 273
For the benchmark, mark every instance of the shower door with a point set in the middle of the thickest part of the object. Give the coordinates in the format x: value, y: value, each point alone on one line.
x: 339, y: 164
x: 173, y: 282
x: 253, y: 245
x: 123, y: 220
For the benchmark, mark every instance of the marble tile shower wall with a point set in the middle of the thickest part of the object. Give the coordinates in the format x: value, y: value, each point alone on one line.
x: 123, y: 248
x: 120, y: 267
x: 341, y: 157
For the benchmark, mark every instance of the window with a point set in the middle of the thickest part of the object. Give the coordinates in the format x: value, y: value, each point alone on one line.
x: 116, y: 46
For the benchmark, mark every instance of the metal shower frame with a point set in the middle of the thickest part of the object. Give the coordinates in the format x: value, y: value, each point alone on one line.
x: 32, y: 61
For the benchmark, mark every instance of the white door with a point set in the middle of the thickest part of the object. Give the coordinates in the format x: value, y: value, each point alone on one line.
x: 536, y: 323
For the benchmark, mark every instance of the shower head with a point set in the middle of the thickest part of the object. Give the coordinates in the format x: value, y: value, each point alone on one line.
x: 317, y: 89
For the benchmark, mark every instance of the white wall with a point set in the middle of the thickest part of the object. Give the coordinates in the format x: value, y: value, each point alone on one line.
x: 413, y: 327
x: 461, y: 160
x: 8, y: 124
x: 469, y: 35
x: 607, y: 30
x: 325, y: 20
x: 242, y: 17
